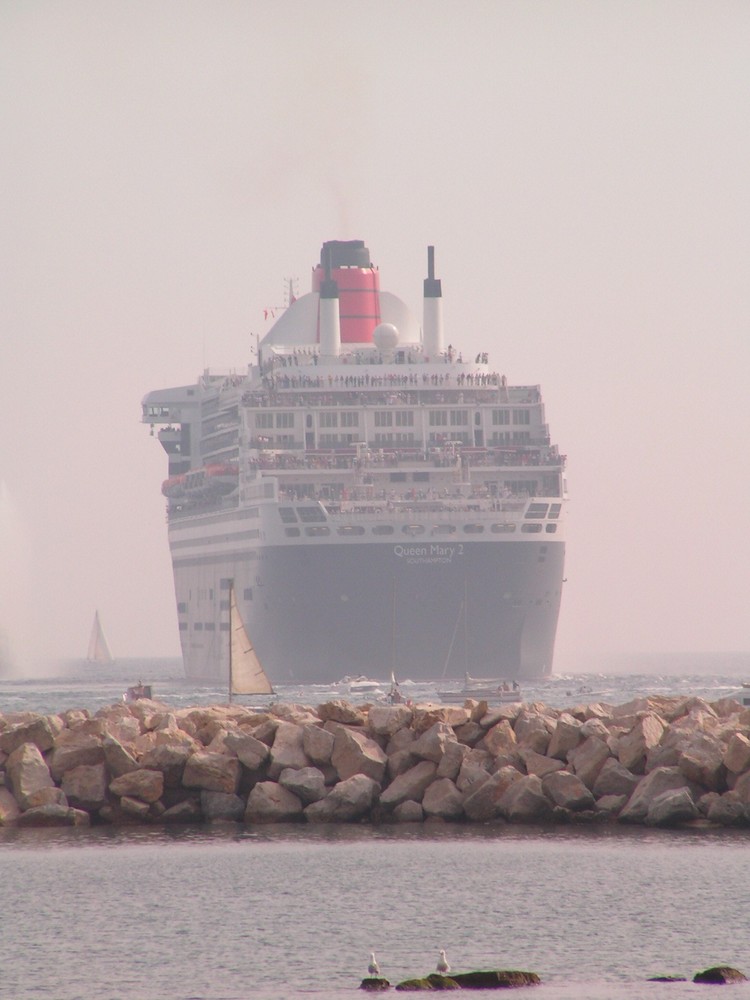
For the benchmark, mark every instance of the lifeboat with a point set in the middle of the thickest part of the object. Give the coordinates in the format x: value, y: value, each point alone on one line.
x: 208, y: 481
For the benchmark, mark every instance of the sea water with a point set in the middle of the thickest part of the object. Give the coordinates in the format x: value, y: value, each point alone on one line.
x: 294, y: 911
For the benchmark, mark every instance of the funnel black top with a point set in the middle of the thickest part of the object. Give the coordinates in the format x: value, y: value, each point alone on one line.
x: 345, y: 253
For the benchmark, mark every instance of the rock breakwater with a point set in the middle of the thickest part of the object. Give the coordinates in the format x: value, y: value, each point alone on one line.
x: 657, y: 761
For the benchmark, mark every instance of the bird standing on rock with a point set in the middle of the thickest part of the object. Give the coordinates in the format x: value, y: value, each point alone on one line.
x: 442, y: 967
x: 373, y: 968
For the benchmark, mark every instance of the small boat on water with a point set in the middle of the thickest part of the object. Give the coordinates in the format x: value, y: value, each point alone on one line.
x: 360, y: 685
x: 137, y: 691
x: 487, y: 688
x: 98, y: 651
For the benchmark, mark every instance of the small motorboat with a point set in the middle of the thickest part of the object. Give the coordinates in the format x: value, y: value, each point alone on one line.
x: 360, y: 685
x: 137, y: 691
x: 485, y: 688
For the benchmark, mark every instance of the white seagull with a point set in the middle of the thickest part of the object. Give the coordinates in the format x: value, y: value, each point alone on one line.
x: 373, y: 968
x: 442, y: 967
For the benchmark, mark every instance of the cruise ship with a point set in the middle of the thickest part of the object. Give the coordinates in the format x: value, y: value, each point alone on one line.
x: 378, y: 501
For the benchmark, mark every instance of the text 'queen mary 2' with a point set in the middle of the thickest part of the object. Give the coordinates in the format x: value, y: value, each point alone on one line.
x: 379, y: 501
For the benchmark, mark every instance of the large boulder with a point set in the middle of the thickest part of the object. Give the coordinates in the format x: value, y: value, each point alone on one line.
x: 85, y: 786
x: 27, y: 773
x: 268, y: 802
x: 9, y: 808
x: 432, y: 743
x: 73, y: 748
x: 633, y: 747
x: 288, y: 749
x: 409, y: 785
x: 343, y: 712
x: 252, y: 753
x: 614, y: 779
x: 671, y: 808
x: 533, y: 730
x: 221, y: 807
x: 348, y: 801
x: 737, y: 755
x: 213, y: 771
x: 41, y: 731
x: 499, y: 738
x: 317, y: 743
x: 524, y: 801
x: 54, y: 815
x: 443, y: 799
x: 144, y: 785
x: 482, y: 802
x: 662, y: 779
x: 116, y: 757
x: 567, y: 791
x: 588, y: 758
x: 355, y: 753
x: 538, y: 764
x: 452, y: 759
x: 565, y: 736
x: 170, y: 760
x: 386, y: 720
x: 307, y: 783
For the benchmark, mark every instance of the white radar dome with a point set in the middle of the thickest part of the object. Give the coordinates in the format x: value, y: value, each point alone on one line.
x: 385, y: 336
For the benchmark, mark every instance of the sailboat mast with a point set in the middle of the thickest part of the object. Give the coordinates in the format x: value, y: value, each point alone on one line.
x: 231, y: 601
x: 466, y: 627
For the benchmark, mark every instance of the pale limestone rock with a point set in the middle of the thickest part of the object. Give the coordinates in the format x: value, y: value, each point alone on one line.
x: 475, y: 769
x: 595, y: 727
x: 355, y: 753
x: 148, y: 786
x: 533, y: 730
x: 268, y: 802
x: 317, y: 744
x: 728, y: 810
x: 482, y: 803
x: 399, y: 762
x: 73, y: 748
x: 611, y: 805
x: 348, y: 801
x: 426, y: 715
x: 408, y: 812
x: 117, y: 758
x: 567, y: 791
x: 287, y: 750
x: 221, y: 807
x: 72, y: 716
x: 588, y: 758
x: 663, y: 779
x: 251, y: 752
x: 524, y: 801
x: 169, y: 738
x: 212, y: 771
x: 737, y: 754
x: 704, y: 764
x: 46, y: 797
x: 565, y: 737
x: 456, y: 716
x: 614, y: 779
x: 41, y: 731
x: 497, y: 713
x: 401, y: 740
x: 741, y: 788
x: 432, y: 743
x: 134, y: 807
x: 453, y: 758
x: 671, y: 808
x: 499, y: 738
x: 409, y: 785
x: 53, y: 815
x: 470, y: 733
x: 538, y: 764
x: 85, y: 786
x: 443, y: 799
x: 125, y: 729
x: 300, y: 715
x: 170, y: 760
x: 219, y: 744
x: 307, y: 783
x: 633, y: 746
x: 386, y: 720
x: 343, y: 712
x: 27, y: 772
x: 9, y: 808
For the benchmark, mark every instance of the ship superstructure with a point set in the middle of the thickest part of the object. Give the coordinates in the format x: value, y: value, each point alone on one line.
x: 377, y: 501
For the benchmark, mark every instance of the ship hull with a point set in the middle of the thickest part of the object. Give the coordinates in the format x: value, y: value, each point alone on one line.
x: 427, y: 611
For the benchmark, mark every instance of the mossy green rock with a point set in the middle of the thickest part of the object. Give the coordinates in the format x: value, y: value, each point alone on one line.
x: 720, y: 974
x: 495, y: 979
x: 373, y: 984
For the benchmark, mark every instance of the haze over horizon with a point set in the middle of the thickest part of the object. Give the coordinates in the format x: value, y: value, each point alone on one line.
x: 581, y: 169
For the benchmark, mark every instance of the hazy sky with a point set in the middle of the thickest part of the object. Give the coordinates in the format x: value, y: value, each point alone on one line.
x: 581, y: 167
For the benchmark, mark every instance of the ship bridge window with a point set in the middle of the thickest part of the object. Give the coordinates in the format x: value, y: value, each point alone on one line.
x: 210, y: 627
x: 198, y: 627
x: 500, y: 417
x: 531, y: 529
x: 350, y: 529
x: 537, y: 510
x: 397, y: 477
x: 284, y: 420
x: 506, y: 528
x: 550, y: 528
x: 383, y: 529
x: 183, y: 626
x: 420, y: 477
x: 287, y: 515
x: 292, y: 532
x: 264, y: 420
x: 459, y: 418
x: 521, y: 417
x: 350, y: 420
x: 473, y: 529
x: 317, y: 530
x: 413, y: 529
x: 308, y: 514
x: 443, y: 529
x: 554, y: 510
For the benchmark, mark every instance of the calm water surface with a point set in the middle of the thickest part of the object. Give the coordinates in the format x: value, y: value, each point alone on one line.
x: 294, y: 911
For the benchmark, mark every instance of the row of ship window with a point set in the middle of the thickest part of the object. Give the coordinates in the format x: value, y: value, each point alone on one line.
x: 392, y: 418
x: 502, y: 528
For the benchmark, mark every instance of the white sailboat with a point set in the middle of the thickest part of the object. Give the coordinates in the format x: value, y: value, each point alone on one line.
x: 246, y: 673
x: 98, y: 647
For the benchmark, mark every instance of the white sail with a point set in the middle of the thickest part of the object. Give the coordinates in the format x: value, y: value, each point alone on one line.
x: 98, y: 648
x: 246, y: 674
